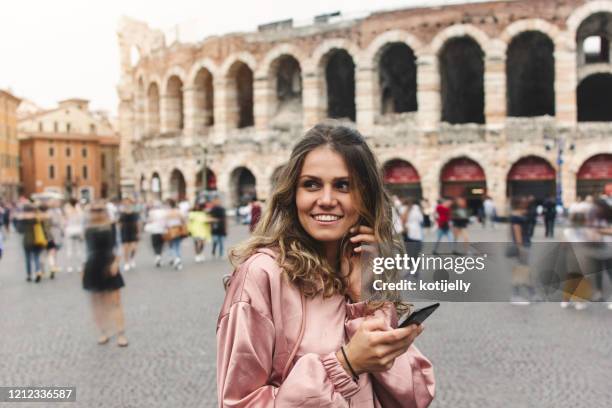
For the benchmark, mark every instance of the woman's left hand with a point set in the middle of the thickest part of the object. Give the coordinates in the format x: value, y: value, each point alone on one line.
x: 351, y: 266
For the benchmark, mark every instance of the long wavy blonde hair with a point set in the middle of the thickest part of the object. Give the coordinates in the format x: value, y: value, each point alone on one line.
x: 300, y: 256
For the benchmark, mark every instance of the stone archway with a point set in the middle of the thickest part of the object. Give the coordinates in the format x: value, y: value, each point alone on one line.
x: 595, y: 176
x: 340, y: 85
x: 461, y: 64
x: 531, y: 176
x: 178, y: 186
x: 464, y: 177
x: 242, y: 186
x: 402, y: 179
x: 156, y: 186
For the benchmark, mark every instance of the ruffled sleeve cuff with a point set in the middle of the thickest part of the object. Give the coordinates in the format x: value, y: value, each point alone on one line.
x: 342, y: 381
x: 355, y: 310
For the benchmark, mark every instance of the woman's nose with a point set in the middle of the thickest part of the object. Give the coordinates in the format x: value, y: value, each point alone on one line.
x: 327, y: 199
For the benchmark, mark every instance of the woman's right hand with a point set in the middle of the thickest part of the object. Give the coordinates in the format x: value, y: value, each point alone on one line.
x: 375, y: 346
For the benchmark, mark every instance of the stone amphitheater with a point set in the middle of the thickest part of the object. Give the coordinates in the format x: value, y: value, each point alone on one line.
x: 497, y: 98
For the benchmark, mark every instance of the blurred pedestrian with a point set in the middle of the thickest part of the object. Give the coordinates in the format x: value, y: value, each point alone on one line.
x: 460, y: 219
x: 550, y: 214
x: 577, y: 260
x: 176, y: 230
x: 156, y: 226
x: 426, y: 209
x: 443, y: 217
x: 490, y: 213
x: 255, y: 214
x: 531, y: 215
x: 412, y: 220
x: 199, y: 228
x: 129, y: 219
x: 519, y: 248
x: 6, y: 217
x: 34, y: 240
x: 102, y: 277
x: 54, y: 229
x: 601, y: 225
x: 74, y: 235
x: 219, y: 227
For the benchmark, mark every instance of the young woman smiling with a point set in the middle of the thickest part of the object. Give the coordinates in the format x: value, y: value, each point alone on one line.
x: 293, y: 330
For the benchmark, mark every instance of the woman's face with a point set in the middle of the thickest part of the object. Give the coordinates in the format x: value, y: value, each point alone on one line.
x: 325, y: 206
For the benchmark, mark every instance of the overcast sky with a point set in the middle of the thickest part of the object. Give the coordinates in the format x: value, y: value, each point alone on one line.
x: 58, y: 49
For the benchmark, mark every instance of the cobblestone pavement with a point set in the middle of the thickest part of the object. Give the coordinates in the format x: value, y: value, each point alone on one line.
x: 484, y: 354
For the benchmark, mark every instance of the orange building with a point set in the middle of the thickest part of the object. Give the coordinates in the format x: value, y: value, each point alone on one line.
x: 69, y: 150
x: 9, y: 146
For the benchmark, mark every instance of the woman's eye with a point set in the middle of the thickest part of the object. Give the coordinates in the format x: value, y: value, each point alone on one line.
x: 310, y: 184
x: 342, y: 185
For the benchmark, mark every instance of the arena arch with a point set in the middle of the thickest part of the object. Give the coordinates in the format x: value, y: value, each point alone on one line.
x: 242, y: 186
x: 464, y: 177
x: 240, y: 100
x: 174, y: 115
x: 397, y: 79
x: 594, y: 177
x: 140, y: 109
x: 153, y: 109
x: 594, y: 97
x: 204, y: 99
x: 178, y: 186
x: 156, y: 186
x: 211, y: 180
x: 461, y: 65
x: 531, y: 176
x: 402, y: 179
x: 285, y: 81
x: 339, y: 69
x: 530, y: 73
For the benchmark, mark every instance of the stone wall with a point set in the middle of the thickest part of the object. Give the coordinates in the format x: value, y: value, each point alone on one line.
x: 417, y: 137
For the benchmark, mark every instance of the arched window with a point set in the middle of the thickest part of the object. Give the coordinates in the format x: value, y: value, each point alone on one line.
x: 462, y: 81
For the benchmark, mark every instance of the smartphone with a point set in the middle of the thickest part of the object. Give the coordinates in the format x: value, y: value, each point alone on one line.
x: 417, y: 317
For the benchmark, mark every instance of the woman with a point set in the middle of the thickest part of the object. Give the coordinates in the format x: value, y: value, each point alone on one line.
x: 460, y: 219
x: 34, y: 239
x: 412, y: 220
x: 519, y: 248
x: 74, y: 235
x: 293, y: 316
x: 176, y: 230
x: 102, y: 278
x: 128, y: 220
x: 156, y: 226
x: 199, y: 228
x: 54, y: 229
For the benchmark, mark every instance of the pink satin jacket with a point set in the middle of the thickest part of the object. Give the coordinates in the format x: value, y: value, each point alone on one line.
x: 275, y: 348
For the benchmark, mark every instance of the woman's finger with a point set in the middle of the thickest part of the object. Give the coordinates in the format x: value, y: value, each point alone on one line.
x: 369, y: 238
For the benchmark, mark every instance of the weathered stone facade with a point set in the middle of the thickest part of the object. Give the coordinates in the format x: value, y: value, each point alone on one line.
x: 181, y: 99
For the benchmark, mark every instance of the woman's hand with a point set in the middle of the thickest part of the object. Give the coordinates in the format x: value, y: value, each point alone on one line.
x: 375, y: 346
x: 350, y: 267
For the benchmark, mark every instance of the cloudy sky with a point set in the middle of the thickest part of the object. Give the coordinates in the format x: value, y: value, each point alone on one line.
x: 53, y: 50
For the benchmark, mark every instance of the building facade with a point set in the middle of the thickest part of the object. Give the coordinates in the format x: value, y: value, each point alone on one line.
x: 501, y: 98
x: 68, y: 150
x: 9, y: 147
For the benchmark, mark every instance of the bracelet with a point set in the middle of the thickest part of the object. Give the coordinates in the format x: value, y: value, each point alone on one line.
x: 348, y: 363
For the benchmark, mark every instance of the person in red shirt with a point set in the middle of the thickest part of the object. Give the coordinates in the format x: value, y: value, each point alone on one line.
x: 443, y: 214
x: 255, y: 214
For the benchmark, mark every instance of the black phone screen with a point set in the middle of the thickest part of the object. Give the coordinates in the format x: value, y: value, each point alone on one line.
x: 418, y: 316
